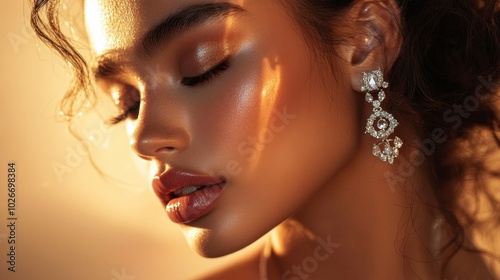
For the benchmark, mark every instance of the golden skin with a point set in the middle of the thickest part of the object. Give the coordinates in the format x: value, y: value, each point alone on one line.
x: 309, y: 174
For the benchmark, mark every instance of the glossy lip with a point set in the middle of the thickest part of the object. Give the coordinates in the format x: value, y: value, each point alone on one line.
x: 165, y: 184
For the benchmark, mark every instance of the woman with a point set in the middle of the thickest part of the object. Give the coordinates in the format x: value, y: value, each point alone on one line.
x: 349, y: 129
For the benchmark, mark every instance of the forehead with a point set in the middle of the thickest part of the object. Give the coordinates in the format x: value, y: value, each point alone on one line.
x: 117, y: 24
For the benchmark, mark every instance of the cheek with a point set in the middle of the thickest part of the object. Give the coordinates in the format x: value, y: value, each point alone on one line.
x: 278, y: 127
x: 235, y: 112
x: 307, y: 137
x: 301, y: 143
x: 278, y: 135
x: 277, y: 132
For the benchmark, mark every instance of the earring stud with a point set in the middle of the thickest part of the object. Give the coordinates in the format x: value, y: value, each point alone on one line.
x: 380, y: 124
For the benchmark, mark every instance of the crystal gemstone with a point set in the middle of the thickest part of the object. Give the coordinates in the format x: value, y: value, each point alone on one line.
x: 382, y: 124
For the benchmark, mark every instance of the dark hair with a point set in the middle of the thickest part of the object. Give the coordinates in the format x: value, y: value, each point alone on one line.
x: 450, y: 56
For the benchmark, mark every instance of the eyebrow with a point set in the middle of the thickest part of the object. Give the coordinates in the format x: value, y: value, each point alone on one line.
x: 174, y: 25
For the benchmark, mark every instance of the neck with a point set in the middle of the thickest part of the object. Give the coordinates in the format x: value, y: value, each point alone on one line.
x: 361, y: 225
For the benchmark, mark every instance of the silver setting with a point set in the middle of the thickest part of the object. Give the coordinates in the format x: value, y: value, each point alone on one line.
x: 380, y: 124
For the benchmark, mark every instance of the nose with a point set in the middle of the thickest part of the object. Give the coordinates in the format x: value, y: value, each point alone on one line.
x: 160, y: 133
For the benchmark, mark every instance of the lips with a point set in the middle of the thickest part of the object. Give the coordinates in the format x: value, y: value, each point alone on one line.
x: 186, y: 194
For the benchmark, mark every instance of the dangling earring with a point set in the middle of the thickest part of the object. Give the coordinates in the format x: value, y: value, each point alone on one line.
x: 380, y: 124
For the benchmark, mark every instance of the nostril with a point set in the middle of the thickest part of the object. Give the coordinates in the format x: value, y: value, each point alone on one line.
x: 167, y: 149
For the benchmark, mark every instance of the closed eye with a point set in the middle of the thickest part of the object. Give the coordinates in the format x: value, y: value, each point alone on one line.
x: 129, y: 112
x: 207, y: 76
x: 187, y: 81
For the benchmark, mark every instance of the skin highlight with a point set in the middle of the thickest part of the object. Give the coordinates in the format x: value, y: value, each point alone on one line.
x: 260, y: 86
x: 285, y: 127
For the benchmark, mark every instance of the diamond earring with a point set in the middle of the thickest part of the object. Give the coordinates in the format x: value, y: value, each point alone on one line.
x: 380, y: 124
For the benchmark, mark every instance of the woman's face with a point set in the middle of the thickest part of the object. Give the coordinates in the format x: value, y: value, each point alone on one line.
x: 227, y: 90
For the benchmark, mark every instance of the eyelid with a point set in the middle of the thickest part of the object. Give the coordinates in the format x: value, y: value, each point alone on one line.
x: 126, y: 98
x: 208, y: 52
x: 125, y: 114
x: 201, y: 55
x: 208, y: 75
x: 124, y: 94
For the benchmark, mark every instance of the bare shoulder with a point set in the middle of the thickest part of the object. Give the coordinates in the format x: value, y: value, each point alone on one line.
x: 243, y: 269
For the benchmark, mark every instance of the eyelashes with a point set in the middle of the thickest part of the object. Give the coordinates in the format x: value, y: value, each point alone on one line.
x: 134, y: 109
x: 207, y: 76
x: 199, y: 80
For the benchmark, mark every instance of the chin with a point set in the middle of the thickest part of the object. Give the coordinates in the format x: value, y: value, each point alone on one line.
x: 214, y: 243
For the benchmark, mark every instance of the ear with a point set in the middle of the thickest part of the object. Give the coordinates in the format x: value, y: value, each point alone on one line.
x: 376, y: 37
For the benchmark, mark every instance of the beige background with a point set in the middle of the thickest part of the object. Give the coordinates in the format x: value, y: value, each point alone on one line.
x: 73, y: 224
